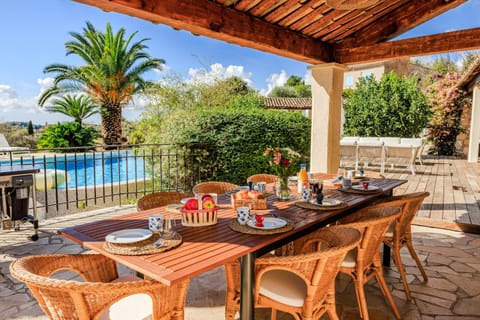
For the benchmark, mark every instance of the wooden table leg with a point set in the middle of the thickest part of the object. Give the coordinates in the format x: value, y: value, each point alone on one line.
x: 247, y: 263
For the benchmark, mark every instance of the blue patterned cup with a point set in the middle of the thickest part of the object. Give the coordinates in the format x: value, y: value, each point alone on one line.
x: 243, y: 214
x: 306, y: 194
x: 155, y: 223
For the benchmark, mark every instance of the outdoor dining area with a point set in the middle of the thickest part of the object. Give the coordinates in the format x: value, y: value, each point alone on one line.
x: 286, y: 255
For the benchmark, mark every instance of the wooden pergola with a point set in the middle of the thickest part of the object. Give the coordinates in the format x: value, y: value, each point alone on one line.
x: 329, y: 34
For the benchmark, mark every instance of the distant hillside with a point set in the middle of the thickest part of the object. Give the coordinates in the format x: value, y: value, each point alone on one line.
x: 23, y: 124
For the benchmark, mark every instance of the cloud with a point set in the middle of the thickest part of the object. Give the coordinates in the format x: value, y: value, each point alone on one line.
x: 164, y: 69
x: 274, y: 80
x: 216, y: 72
x: 10, y: 101
x: 308, y: 77
x: 14, y: 107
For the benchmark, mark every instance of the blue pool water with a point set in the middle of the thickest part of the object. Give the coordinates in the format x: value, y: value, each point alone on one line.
x: 92, y: 169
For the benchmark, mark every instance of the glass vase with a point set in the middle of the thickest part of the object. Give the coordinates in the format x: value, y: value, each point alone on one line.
x: 283, y: 192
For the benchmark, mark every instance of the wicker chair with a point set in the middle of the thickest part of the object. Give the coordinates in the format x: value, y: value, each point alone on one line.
x: 400, y: 234
x: 302, y: 281
x: 373, y: 174
x: 213, y: 187
x: 97, y: 297
x: 364, y: 263
x: 160, y: 199
x: 268, y: 178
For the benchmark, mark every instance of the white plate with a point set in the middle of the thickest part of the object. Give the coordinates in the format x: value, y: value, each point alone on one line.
x: 242, y: 188
x: 128, y: 235
x: 361, y: 188
x: 184, y: 200
x: 326, y: 202
x: 269, y: 223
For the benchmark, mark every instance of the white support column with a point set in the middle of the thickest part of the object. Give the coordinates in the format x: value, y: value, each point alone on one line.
x: 474, y: 139
x: 327, y: 88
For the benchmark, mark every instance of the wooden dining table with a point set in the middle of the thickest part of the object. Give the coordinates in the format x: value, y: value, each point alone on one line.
x: 207, y: 247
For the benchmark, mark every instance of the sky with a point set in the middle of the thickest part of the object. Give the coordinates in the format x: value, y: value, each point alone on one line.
x: 33, y: 35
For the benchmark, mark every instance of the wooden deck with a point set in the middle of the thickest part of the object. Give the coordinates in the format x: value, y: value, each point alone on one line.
x: 454, y: 186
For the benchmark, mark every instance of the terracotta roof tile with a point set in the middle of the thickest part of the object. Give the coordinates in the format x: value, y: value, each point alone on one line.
x: 288, y: 103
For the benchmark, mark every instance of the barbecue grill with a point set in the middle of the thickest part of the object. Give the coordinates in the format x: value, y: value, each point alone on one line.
x: 16, y: 181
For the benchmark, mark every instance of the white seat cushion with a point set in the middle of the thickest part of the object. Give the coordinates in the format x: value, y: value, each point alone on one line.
x: 134, y: 307
x: 389, y: 233
x: 414, y: 142
x: 283, y: 286
x: 350, y: 259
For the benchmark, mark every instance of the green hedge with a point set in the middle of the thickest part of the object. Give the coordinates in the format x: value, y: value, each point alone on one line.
x: 233, y: 140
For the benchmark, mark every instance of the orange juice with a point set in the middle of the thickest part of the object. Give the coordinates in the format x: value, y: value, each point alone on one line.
x: 302, y: 178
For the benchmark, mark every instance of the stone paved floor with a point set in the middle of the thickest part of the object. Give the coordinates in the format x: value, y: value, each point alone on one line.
x: 451, y: 259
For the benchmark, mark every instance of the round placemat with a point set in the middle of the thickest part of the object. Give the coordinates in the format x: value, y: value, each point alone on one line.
x: 350, y: 190
x: 308, y: 205
x: 235, y: 226
x: 143, y: 247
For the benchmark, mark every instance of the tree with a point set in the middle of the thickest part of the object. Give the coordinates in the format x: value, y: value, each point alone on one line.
x: 30, y: 128
x: 294, y: 87
x: 111, y: 75
x: 77, y: 107
x: 468, y: 59
x: 444, y: 65
x: 284, y: 91
x: 391, y: 107
x: 226, y: 132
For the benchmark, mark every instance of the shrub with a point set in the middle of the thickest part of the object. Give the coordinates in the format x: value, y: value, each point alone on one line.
x: 69, y: 134
x: 228, y: 144
x: 391, y: 107
x: 447, y: 102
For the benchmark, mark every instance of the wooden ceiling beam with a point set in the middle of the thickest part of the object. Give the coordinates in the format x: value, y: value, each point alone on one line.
x: 408, y: 16
x: 439, y: 43
x: 207, y: 18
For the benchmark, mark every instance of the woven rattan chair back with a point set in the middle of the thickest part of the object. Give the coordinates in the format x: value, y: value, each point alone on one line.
x: 262, y: 177
x: 160, y: 199
x: 373, y: 174
x: 69, y: 299
x: 373, y: 222
x: 316, y: 260
x: 218, y: 187
x: 400, y: 233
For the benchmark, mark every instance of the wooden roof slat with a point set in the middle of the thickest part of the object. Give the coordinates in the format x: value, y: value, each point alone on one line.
x: 404, y: 18
x: 378, y: 12
x: 330, y: 18
x: 284, y: 10
x: 303, y: 12
x: 352, y: 18
x: 455, y: 41
x: 246, y: 5
x: 305, y: 30
x: 311, y: 18
x: 266, y: 6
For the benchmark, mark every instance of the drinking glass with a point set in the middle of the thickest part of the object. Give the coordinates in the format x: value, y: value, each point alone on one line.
x: 168, y: 231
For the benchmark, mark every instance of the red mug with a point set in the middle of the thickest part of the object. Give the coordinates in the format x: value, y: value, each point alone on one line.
x: 259, y: 219
x: 365, y: 185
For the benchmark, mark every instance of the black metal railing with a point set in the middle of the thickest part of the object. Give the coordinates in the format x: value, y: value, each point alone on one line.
x: 73, y: 179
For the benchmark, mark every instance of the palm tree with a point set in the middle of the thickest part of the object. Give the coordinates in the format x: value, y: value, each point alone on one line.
x: 111, y: 76
x: 78, y: 107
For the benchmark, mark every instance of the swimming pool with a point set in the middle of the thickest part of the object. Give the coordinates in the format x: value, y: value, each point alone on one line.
x: 92, y: 169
